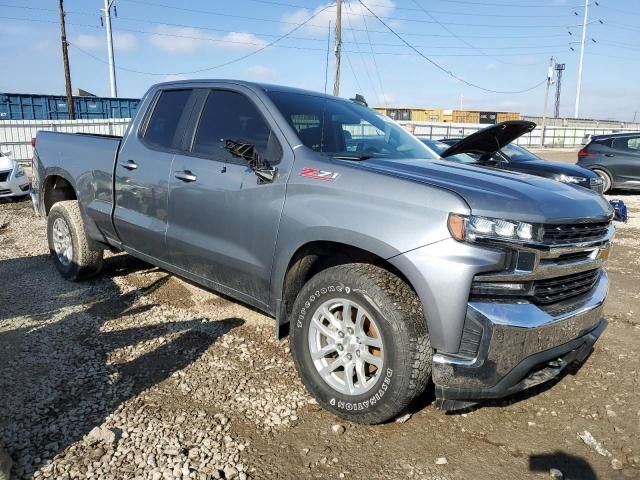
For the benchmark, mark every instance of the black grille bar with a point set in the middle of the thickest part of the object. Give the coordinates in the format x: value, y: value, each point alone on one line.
x: 574, y: 232
x: 561, y: 288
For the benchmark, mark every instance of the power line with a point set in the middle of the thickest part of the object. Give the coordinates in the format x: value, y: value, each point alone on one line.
x: 358, y: 49
x: 271, y: 20
x: 294, y: 47
x: 397, y: 7
x: 223, y: 64
x: 260, y: 19
x: 452, y: 33
x: 375, y: 63
x: 441, y: 68
x: 346, y: 55
x: 508, y: 5
x: 42, y: 9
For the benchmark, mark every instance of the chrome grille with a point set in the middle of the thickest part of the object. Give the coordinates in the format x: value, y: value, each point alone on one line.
x: 574, y: 232
x: 4, y: 175
x: 554, y: 290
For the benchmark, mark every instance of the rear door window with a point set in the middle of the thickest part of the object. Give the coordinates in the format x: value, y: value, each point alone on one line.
x: 228, y: 115
x: 165, y: 127
x: 634, y: 144
x: 627, y: 144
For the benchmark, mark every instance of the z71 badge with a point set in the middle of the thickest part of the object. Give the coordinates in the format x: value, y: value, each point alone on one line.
x: 318, y: 174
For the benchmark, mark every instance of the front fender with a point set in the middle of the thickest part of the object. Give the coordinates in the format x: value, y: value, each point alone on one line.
x: 441, y: 274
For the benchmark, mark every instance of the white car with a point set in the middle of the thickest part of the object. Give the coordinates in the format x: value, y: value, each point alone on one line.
x: 13, y: 181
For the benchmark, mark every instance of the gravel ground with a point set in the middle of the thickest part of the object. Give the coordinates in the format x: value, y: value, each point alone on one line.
x: 138, y: 374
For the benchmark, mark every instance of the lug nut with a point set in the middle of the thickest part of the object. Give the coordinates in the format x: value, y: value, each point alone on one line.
x: 357, y: 353
x: 350, y: 331
x: 349, y: 357
x: 341, y: 334
x: 340, y: 347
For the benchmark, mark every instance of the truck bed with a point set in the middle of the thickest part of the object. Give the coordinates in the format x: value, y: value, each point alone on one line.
x: 87, y: 162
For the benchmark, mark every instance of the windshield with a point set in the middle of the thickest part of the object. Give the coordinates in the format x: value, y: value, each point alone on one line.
x: 516, y: 153
x: 344, y: 129
x: 440, y: 147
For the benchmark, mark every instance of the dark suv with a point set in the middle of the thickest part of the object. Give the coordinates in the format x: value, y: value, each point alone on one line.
x: 615, y: 158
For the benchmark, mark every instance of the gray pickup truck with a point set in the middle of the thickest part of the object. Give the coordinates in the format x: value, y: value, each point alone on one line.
x: 388, y: 267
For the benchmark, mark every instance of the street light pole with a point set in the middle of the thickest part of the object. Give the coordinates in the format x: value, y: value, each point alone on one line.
x: 546, y: 99
x: 580, y: 65
x: 112, y: 67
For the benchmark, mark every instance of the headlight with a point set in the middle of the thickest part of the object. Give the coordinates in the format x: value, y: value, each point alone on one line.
x: 571, y: 179
x: 472, y: 227
x: 19, y: 171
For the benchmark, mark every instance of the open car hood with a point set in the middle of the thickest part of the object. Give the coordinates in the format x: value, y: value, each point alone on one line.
x: 489, y: 140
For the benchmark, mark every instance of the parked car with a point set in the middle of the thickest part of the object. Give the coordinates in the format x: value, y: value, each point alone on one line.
x: 515, y: 158
x: 13, y: 180
x: 615, y: 158
x: 387, y: 267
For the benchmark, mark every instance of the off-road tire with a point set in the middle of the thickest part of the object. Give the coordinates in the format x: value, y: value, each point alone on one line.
x: 398, y: 313
x: 606, y: 179
x: 86, y: 255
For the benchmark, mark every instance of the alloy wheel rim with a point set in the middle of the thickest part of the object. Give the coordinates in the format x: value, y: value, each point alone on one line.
x: 606, y: 182
x: 62, y: 244
x: 346, y: 346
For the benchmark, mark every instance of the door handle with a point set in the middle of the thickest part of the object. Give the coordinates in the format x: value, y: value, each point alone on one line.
x: 186, y: 176
x: 129, y: 165
x: 609, y: 155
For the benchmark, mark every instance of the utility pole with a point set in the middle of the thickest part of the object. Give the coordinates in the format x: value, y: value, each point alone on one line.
x: 336, y: 78
x: 546, y: 99
x: 112, y: 67
x: 65, y: 61
x: 559, y: 69
x: 584, y: 36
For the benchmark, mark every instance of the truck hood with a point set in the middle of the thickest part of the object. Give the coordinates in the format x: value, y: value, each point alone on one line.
x: 489, y: 140
x: 495, y: 193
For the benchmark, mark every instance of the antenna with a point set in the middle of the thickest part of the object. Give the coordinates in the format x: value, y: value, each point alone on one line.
x: 326, y: 64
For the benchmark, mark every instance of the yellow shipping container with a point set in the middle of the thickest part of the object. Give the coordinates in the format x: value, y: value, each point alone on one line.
x: 466, y: 116
x: 504, y: 116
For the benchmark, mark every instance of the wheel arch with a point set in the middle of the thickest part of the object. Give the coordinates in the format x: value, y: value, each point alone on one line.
x: 311, y: 258
x: 57, y: 187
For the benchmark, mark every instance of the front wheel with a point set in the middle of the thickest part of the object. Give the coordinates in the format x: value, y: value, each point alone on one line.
x: 360, y: 342
x: 74, y: 254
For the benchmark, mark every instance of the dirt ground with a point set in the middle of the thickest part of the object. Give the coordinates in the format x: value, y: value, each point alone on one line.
x: 138, y: 374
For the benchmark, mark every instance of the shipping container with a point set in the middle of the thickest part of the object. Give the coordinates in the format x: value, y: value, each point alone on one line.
x: 504, y: 116
x: 488, y: 117
x: 17, y: 106
x: 466, y: 116
x: 447, y: 115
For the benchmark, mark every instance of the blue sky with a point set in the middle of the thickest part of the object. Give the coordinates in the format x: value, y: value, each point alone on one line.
x: 497, y: 44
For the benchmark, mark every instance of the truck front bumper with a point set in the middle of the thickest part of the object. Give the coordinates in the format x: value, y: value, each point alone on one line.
x: 518, y: 345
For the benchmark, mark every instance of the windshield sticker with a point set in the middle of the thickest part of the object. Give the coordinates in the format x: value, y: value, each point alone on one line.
x: 319, y: 174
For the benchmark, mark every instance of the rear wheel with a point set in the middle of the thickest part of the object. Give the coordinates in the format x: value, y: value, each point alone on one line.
x: 74, y: 254
x: 606, y: 179
x: 360, y: 343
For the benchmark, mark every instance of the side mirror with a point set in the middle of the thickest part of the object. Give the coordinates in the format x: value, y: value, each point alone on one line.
x: 266, y: 173
x: 263, y: 170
